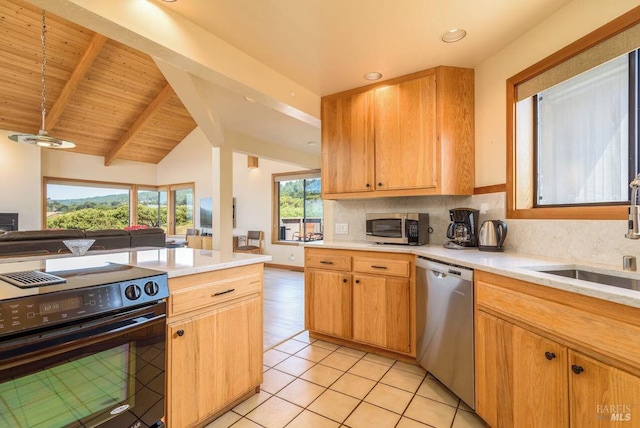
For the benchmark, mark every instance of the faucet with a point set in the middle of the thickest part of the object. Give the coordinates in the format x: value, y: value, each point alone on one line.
x: 634, y: 211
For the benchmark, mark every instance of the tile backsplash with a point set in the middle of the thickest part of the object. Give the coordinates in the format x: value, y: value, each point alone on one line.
x: 587, y: 241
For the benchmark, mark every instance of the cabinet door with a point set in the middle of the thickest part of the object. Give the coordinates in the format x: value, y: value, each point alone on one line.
x: 233, y: 362
x: 601, y: 395
x: 328, y: 296
x: 215, y: 359
x: 521, y: 378
x: 405, y: 134
x: 183, y: 379
x: 347, y: 144
x: 381, y: 311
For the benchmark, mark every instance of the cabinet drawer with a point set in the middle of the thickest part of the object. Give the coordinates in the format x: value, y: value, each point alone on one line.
x: 381, y: 266
x: 570, y: 323
x: 211, y: 293
x: 325, y: 260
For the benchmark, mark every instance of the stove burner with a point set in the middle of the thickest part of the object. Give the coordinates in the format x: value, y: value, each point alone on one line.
x: 31, y: 278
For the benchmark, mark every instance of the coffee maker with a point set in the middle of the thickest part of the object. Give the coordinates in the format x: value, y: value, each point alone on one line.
x: 463, y: 230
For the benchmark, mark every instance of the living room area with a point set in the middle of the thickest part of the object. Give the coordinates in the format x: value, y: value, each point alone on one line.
x: 26, y: 168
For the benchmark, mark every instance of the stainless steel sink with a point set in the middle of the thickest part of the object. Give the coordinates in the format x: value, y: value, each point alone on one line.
x: 597, y: 277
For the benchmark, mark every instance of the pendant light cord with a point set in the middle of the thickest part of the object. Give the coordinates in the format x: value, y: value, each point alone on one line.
x: 43, y: 37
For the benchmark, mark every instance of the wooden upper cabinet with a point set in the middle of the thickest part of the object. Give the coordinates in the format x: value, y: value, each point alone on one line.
x: 347, y: 144
x: 405, y: 134
x: 413, y: 135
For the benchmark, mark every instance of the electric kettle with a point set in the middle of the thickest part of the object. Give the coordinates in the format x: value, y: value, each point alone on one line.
x: 492, y: 235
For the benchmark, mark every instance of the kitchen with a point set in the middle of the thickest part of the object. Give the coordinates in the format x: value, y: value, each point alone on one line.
x: 604, y: 243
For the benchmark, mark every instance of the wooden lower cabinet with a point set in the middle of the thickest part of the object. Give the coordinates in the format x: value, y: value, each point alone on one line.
x: 200, y: 242
x: 329, y: 294
x: 601, y: 395
x: 364, y: 297
x: 381, y: 312
x: 521, y: 377
x: 214, y: 352
x: 551, y: 358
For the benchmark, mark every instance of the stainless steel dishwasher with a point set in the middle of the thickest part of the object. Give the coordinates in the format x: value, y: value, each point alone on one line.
x: 445, y: 325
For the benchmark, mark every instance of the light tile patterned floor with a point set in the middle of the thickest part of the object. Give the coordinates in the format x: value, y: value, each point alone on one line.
x: 315, y: 384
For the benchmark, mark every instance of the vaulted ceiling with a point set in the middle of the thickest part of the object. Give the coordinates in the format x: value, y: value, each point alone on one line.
x: 109, y: 99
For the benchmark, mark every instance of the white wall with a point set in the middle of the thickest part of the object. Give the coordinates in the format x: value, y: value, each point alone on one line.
x: 252, y: 190
x: 66, y: 164
x: 190, y: 161
x: 570, y: 23
x: 20, y: 191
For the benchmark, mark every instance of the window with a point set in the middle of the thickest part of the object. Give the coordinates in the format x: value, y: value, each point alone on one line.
x: 152, y: 208
x: 582, y: 138
x: 182, y: 213
x: 76, y: 204
x: 572, y: 131
x: 298, y: 207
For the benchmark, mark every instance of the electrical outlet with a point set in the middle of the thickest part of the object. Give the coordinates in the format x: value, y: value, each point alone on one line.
x: 292, y: 257
x: 342, y: 228
x: 484, y: 207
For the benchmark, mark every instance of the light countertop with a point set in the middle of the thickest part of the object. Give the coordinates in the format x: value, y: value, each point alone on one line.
x: 513, y: 265
x: 175, y: 261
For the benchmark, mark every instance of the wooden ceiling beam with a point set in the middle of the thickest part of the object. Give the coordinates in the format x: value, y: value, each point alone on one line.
x: 139, y: 124
x: 95, y: 46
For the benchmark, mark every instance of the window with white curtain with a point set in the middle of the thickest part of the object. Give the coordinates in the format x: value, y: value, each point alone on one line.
x: 581, y: 138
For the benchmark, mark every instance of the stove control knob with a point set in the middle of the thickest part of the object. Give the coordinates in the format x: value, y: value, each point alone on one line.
x: 151, y: 288
x: 132, y: 292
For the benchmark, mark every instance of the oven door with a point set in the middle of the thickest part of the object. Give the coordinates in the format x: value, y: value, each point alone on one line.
x: 106, y: 372
x: 386, y: 228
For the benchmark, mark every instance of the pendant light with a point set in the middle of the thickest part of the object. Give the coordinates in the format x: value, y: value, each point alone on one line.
x: 43, y: 139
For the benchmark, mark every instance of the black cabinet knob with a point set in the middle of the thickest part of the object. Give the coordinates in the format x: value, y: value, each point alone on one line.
x: 577, y: 369
x: 367, y: 185
x: 549, y: 355
x: 357, y: 281
x: 180, y: 333
x: 379, y: 184
x: 344, y: 279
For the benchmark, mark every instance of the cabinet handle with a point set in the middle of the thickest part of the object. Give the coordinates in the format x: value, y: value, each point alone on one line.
x: 326, y: 262
x: 224, y: 292
x: 379, y: 184
x: 549, y: 355
x: 344, y: 279
x: 378, y: 267
x: 367, y: 185
x: 577, y: 369
x: 357, y: 281
x: 180, y: 333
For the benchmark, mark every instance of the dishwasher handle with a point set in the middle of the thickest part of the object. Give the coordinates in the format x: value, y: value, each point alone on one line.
x: 442, y: 270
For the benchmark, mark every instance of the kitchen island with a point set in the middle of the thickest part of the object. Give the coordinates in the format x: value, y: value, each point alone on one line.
x: 213, y: 319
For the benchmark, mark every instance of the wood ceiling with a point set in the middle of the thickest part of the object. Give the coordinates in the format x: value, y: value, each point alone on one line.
x: 109, y: 99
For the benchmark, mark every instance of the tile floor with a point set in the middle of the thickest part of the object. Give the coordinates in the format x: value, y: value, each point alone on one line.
x: 309, y: 384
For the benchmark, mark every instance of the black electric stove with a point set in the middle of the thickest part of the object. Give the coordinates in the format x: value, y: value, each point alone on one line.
x: 45, y: 293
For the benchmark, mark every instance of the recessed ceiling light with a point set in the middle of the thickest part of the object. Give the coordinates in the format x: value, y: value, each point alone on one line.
x: 454, y: 35
x: 312, y: 143
x: 249, y: 99
x: 373, y: 75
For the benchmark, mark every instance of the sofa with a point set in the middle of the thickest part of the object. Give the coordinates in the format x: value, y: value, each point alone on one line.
x: 36, y: 242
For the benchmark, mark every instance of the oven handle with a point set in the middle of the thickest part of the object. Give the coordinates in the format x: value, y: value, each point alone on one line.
x: 73, y: 337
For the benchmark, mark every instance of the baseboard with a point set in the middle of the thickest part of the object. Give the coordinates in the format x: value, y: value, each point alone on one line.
x: 285, y: 267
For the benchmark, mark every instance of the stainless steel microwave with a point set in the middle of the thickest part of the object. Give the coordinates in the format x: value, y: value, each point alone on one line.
x: 407, y: 229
